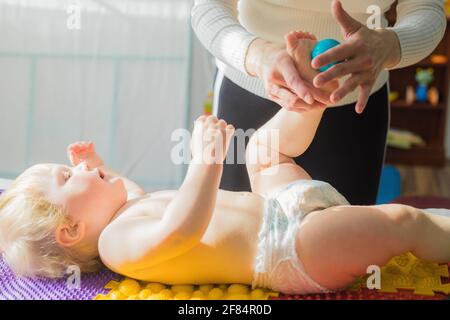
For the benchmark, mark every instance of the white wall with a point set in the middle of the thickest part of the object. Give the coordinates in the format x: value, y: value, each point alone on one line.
x: 130, y: 76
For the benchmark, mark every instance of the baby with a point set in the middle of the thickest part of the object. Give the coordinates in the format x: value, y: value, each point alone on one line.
x: 291, y: 234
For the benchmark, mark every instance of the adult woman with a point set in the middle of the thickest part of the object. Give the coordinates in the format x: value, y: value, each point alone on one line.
x: 257, y: 76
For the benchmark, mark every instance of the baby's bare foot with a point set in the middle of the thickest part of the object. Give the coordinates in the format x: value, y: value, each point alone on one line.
x: 299, y: 45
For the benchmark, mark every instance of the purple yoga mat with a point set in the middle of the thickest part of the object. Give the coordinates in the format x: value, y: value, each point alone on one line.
x: 16, y: 288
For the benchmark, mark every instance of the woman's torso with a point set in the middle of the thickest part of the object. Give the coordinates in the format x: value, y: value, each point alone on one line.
x: 272, y: 19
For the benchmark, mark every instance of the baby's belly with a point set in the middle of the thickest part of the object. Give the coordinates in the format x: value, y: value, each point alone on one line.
x: 227, y: 251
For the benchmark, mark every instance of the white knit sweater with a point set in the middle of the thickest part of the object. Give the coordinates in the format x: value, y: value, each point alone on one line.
x: 227, y: 28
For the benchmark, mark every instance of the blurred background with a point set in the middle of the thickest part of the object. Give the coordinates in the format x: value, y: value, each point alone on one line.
x: 127, y: 73
x: 125, y: 76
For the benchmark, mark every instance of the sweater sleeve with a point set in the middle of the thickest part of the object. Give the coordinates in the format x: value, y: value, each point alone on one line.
x: 420, y: 27
x: 216, y: 25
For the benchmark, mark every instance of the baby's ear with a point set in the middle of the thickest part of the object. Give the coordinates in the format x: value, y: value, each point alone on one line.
x: 69, y: 234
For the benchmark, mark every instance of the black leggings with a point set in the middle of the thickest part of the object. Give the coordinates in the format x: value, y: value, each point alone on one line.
x: 347, y: 151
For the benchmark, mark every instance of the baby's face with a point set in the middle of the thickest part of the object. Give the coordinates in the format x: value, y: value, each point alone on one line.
x: 87, y: 195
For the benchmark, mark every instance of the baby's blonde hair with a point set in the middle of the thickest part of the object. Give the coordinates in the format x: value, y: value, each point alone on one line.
x: 27, y: 229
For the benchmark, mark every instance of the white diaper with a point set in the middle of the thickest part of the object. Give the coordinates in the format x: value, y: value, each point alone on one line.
x: 277, y: 264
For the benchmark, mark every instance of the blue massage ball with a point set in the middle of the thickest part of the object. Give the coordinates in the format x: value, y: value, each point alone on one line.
x: 323, y: 46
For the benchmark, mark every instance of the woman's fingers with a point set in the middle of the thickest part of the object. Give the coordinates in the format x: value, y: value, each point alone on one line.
x: 364, y: 95
x: 347, y: 24
x: 339, y: 53
x: 356, y: 79
x: 290, y: 101
x: 349, y: 86
x: 294, y: 81
x: 321, y: 96
x: 283, y: 96
x: 340, y: 70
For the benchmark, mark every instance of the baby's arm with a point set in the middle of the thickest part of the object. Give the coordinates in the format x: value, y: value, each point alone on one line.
x: 140, y: 242
x: 85, y: 151
x: 190, y: 211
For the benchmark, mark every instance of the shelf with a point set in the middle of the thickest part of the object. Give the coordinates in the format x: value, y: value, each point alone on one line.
x: 421, y: 117
x: 426, y: 155
x: 428, y: 64
x: 401, y: 104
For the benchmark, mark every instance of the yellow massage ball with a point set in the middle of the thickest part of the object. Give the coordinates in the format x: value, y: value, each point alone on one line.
x: 198, y: 294
x: 157, y: 296
x: 155, y: 287
x: 238, y: 289
x: 206, y: 288
x: 167, y: 293
x: 258, y: 294
x: 238, y: 296
x: 215, y: 294
x: 182, y: 296
x: 145, y: 293
x: 182, y: 288
x: 129, y: 287
x: 116, y: 295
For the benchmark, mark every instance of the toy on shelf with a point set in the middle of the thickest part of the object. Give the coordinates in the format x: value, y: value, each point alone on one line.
x: 323, y: 46
x: 439, y: 59
x: 423, y: 77
x: 410, y: 95
x: 207, y: 105
x: 403, y: 139
x: 393, y: 96
x: 433, y: 96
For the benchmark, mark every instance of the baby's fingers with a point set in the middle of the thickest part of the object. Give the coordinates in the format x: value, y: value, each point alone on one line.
x: 73, y: 146
x: 73, y: 157
x: 81, y: 146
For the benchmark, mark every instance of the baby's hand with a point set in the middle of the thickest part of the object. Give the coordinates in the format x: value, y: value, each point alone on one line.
x: 210, y: 140
x: 84, y: 151
x: 299, y: 45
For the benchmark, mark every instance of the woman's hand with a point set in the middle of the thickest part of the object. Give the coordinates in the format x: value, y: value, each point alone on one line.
x: 283, y: 83
x: 84, y: 151
x: 365, y: 53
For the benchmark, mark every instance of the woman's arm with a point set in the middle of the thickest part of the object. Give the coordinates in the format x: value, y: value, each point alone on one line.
x: 216, y: 25
x: 218, y: 29
x: 420, y: 27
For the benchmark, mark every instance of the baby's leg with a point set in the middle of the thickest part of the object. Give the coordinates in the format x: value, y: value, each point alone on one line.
x: 336, y: 245
x: 288, y: 134
x: 270, y: 150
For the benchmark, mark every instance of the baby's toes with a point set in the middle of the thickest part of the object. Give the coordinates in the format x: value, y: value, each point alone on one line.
x: 301, y: 35
x: 310, y: 36
x: 291, y: 41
